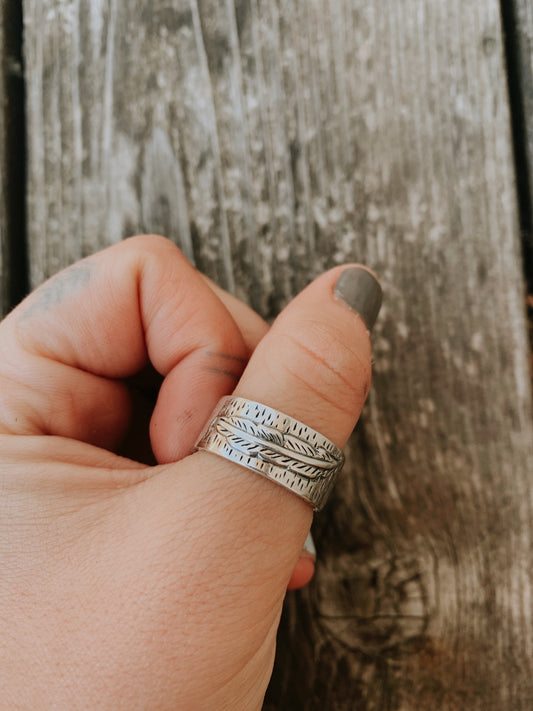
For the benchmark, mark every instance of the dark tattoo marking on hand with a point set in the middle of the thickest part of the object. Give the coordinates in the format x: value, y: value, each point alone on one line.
x: 226, y: 364
x: 223, y: 371
x: 59, y: 288
x: 227, y: 356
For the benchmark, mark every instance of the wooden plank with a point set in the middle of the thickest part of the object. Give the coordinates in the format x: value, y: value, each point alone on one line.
x: 272, y: 140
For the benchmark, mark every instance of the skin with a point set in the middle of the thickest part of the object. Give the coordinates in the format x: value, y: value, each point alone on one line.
x: 136, y: 574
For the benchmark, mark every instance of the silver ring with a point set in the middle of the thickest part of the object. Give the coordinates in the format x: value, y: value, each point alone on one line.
x: 274, y: 445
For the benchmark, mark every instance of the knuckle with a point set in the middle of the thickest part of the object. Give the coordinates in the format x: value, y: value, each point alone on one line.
x: 149, y: 242
x: 145, y: 249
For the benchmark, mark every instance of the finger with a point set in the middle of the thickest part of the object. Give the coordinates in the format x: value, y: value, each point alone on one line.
x: 251, y: 325
x: 102, y: 320
x: 314, y: 365
x: 145, y: 385
x: 305, y: 567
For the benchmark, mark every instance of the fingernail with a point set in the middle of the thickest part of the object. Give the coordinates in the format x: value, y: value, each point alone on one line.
x: 309, y: 546
x: 362, y: 292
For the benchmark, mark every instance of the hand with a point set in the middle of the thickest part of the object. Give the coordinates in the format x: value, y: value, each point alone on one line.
x: 130, y: 586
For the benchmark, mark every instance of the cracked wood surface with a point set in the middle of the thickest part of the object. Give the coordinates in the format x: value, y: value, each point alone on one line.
x: 272, y: 140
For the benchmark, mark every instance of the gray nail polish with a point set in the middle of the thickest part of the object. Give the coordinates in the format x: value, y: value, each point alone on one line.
x: 362, y: 292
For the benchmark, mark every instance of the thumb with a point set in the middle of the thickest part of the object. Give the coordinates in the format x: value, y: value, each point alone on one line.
x: 315, y: 366
x: 315, y: 363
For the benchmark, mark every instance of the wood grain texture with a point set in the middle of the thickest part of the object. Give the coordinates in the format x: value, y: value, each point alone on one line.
x: 4, y: 260
x: 271, y: 140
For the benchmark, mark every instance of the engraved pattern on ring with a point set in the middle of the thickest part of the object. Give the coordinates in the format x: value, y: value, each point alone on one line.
x: 274, y: 445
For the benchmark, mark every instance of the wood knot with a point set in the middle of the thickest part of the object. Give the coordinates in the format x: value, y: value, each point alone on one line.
x: 373, y: 604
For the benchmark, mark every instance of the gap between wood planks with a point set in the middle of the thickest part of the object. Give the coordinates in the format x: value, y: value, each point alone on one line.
x: 15, y: 151
x: 519, y: 128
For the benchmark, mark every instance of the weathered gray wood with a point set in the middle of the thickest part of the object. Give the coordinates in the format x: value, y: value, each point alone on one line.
x: 272, y: 140
x: 4, y: 262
